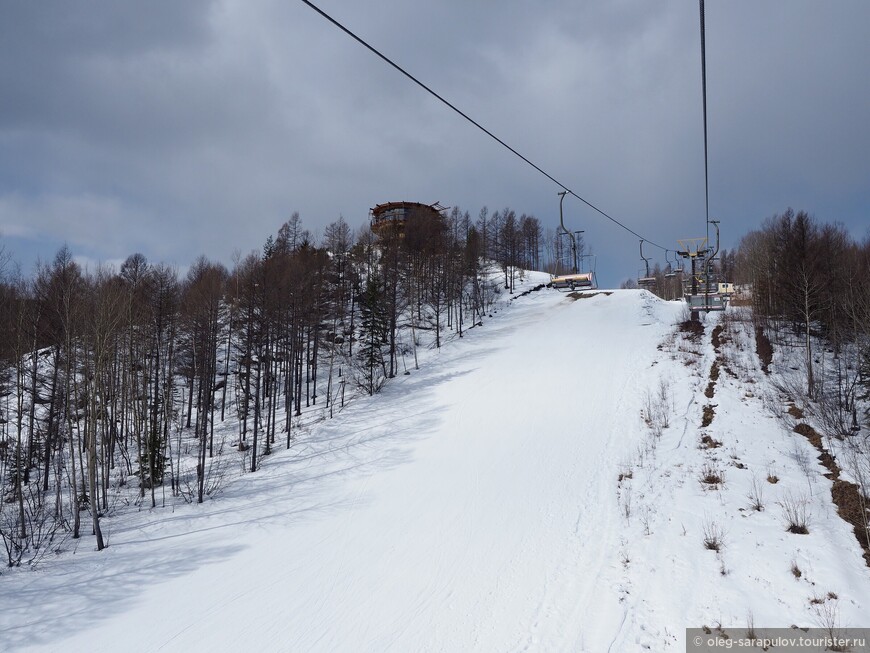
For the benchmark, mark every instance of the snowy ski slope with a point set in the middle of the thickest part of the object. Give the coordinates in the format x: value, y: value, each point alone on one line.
x: 475, y: 505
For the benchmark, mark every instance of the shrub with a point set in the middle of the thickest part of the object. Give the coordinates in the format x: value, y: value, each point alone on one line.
x: 795, y: 570
x: 795, y: 512
x: 756, y: 495
x: 710, y: 475
x: 714, y: 536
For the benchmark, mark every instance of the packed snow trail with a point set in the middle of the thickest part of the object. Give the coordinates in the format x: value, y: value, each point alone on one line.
x: 469, y: 506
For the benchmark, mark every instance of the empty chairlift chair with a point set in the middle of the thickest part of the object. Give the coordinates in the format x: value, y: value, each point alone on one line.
x: 576, y: 281
x: 646, y: 282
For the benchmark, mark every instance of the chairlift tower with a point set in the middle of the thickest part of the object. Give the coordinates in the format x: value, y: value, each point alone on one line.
x: 706, y: 301
x: 709, y: 260
x: 578, y: 235
x: 692, y: 248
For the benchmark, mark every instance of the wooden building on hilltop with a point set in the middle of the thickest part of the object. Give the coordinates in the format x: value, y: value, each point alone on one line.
x: 394, y: 215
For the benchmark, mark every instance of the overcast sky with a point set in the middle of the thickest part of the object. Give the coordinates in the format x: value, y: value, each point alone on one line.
x: 184, y: 128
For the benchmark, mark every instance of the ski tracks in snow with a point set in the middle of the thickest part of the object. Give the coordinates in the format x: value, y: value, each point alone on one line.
x: 470, y: 506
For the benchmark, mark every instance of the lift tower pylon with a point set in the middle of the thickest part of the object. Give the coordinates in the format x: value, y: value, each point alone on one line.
x: 692, y: 248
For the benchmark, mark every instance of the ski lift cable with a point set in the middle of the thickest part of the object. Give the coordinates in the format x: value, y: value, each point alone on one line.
x: 474, y: 122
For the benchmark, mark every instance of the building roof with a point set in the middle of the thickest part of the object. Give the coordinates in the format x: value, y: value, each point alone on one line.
x: 380, y: 209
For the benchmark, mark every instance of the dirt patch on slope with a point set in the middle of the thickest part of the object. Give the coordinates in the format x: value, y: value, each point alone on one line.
x: 846, y: 495
x: 764, y: 349
x: 695, y: 330
x: 586, y: 295
x: 717, y: 341
x: 709, y: 414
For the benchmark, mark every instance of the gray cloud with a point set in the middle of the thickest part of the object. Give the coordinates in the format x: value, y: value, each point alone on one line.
x: 185, y: 128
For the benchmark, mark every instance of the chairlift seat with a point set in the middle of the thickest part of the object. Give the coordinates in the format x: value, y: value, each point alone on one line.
x: 707, y: 302
x: 580, y: 280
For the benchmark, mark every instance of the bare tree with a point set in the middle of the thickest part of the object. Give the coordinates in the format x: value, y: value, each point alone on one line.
x: 201, y: 299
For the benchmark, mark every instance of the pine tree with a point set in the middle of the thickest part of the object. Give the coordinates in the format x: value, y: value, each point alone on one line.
x: 373, y: 327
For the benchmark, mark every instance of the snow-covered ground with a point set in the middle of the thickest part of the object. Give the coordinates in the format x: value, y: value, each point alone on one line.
x: 536, y: 485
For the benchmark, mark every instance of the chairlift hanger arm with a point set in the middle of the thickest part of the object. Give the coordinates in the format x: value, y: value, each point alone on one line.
x: 711, y: 251
x: 645, y: 259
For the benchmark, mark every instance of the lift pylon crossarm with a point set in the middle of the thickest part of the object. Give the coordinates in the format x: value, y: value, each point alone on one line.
x: 692, y: 247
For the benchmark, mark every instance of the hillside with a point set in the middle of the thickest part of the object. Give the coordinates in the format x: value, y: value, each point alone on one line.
x: 543, y: 483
